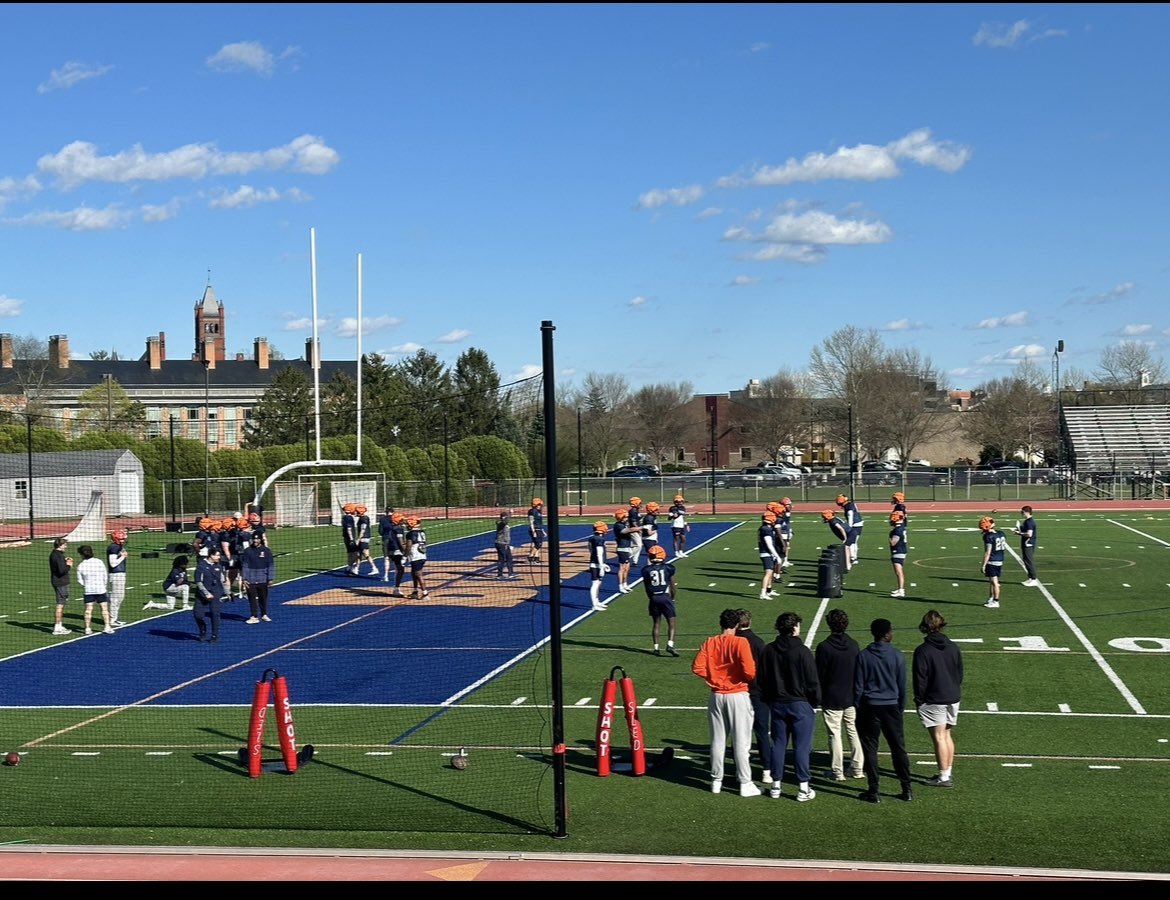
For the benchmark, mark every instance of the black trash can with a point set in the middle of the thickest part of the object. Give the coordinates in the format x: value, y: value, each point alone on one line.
x: 829, y: 574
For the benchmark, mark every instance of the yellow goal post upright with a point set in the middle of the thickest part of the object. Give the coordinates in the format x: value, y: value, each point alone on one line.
x: 315, y: 364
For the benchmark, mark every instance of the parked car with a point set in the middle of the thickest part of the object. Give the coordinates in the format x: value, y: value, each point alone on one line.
x: 878, y: 471
x: 764, y: 476
x: 641, y: 473
x: 999, y: 471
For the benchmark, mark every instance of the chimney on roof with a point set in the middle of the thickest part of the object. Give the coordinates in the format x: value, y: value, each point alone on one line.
x: 6, y: 358
x: 313, y: 354
x: 207, y: 352
x: 239, y: 356
x: 59, y: 351
x: 260, y: 352
x: 162, y: 346
x: 154, y: 353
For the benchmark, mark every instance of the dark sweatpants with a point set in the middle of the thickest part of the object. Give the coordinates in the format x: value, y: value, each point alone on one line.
x: 886, y: 721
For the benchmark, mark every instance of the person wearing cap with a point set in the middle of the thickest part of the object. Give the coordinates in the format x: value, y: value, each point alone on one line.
x: 504, y: 558
x: 536, y: 529
x: 597, y: 565
x: 258, y: 569
x: 879, y: 694
x: 116, y: 555
x: 898, y: 551
x: 679, y: 529
x: 661, y: 592
x: 211, y: 586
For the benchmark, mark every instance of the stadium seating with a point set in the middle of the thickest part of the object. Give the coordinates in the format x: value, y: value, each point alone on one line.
x: 1120, y: 439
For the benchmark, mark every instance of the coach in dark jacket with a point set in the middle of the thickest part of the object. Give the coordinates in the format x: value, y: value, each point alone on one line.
x: 879, y: 692
x: 938, y: 680
x: 788, y: 680
x: 258, y: 569
x: 836, y: 658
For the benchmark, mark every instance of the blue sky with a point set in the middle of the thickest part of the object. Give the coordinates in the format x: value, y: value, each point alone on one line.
x: 688, y: 192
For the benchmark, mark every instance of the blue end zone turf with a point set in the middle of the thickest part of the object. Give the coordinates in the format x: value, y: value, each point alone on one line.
x: 369, y: 649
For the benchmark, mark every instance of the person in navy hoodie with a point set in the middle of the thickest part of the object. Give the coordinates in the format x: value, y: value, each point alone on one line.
x: 879, y: 693
x: 258, y: 569
x: 210, y: 589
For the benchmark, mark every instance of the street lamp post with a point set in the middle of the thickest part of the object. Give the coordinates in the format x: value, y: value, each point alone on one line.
x: 580, y: 499
x: 1056, y: 389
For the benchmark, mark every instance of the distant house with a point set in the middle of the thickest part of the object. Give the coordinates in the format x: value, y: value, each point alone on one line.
x: 62, y: 484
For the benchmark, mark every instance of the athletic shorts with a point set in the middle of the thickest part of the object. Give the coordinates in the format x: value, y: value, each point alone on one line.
x: 660, y: 608
x: 62, y: 593
x: 992, y: 570
x: 768, y: 562
x: 934, y: 714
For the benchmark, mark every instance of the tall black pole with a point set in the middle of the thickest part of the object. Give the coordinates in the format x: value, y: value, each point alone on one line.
x: 852, y: 454
x: 580, y: 501
x: 554, y: 582
x: 446, y: 471
x: 31, y: 511
x: 207, y: 437
x: 714, y: 451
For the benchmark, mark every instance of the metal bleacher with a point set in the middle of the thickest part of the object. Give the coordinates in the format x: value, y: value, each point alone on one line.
x: 1118, y: 439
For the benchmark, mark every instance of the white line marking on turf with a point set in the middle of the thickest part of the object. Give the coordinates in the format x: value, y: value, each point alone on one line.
x: 379, y: 753
x: 967, y: 640
x: 584, y: 701
x: 1135, y: 531
x: 519, y: 700
x: 1093, y: 651
x: 158, y: 752
x: 993, y: 707
x: 1064, y: 707
x: 1104, y: 767
x: 1016, y: 765
x: 80, y: 753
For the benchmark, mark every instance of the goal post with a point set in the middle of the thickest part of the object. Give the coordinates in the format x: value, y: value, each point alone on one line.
x: 296, y: 504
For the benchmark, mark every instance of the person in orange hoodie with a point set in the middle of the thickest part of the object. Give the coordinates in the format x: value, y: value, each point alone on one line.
x: 726, y: 663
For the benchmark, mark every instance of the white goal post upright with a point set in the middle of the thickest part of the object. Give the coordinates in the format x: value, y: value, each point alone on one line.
x: 316, y: 366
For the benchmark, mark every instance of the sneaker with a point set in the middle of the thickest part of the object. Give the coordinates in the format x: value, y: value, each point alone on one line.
x: 214, y: 639
x: 1031, y: 582
x: 513, y: 577
x: 805, y: 796
x: 265, y: 619
x: 426, y: 594
x: 907, y: 795
x: 599, y: 607
x: 763, y: 595
x: 767, y: 779
x: 749, y: 789
x: 939, y: 781
x: 772, y: 595
x: 716, y: 787
x: 251, y: 620
x: 656, y: 652
x: 838, y: 777
x: 672, y: 651
x: 869, y: 797
x: 61, y: 629
x: 991, y: 604
x: 623, y: 588
x: 898, y: 593
x: 118, y: 623
x: 397, y: 593
x: 107, y: 630
x: 89, y: 631
x: 386, y: 578
x: 857, y: 775
x: 774, y: 792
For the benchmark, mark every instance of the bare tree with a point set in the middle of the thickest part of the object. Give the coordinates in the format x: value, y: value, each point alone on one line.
x: 1016, y: 418
x: 845, y: 367
x: 776, y: 414
x: 33, y: 374
x: 908, y: 408
x: 603, y: 400
x: 1127, y: 367
x: 660, y: 422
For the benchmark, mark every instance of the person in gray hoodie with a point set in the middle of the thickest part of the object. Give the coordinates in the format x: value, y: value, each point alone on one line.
x: 879, y: 693
x: 938, y: 680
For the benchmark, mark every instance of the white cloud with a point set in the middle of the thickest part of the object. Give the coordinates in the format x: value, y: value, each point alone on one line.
x: 83, y: 218
x: 305, y: 323
x: 403, y: 349
x: 160, y: 213
x: 636, y: 302
x: 709, y: 213
x: 347, y: 327
x: 9, y: 307
x: 1016, y: 354
x: 70, y: 74
x: 1112, y: 295
x: 996, y: 34
x: 242, y: 56
x: 862, y: 162
x: 1135, y: 330
x: 743, y: 281
x: 683, y: 196
x: 758, y: 47
x: 454, y: 336
x: 1016, y: 318
x: 17, y: 189
x: 529, y: 370
x: 902, y: 325
x: 244, y: 196
x: 802, y: 237
x: 79, y: 162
